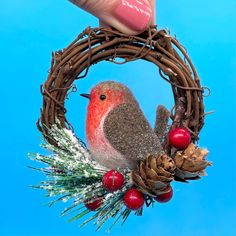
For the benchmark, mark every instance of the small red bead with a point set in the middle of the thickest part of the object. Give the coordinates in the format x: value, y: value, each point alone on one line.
x: 55, y: 169
x: 165, y: 197
x: 93, y: 204
x: 133, y: 199
x: 112, y: 180
x: 179, y: 138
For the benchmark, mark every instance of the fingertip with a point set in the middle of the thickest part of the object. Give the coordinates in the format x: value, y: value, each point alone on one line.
x: 129, y: 16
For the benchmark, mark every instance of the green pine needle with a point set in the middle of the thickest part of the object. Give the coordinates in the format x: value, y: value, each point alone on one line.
x: 72, y: 174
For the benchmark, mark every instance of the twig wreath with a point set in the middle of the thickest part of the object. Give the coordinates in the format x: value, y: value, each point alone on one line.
x: 72, y: 172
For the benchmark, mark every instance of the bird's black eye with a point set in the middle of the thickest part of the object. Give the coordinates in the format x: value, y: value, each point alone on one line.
x: 102, y: 97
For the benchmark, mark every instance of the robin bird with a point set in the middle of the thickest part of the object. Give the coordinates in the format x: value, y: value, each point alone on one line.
x: 118, y: 134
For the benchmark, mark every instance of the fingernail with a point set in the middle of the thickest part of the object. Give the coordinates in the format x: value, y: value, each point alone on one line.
x: 135, y: 14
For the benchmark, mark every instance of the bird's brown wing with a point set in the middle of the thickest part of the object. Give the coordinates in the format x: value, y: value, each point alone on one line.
x: 129, y: 133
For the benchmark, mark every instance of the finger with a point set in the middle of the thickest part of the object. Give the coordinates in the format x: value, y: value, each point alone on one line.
x: 128, y: 16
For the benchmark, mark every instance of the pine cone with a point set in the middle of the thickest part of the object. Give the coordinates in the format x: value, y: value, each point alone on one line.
x: 154, y: 174
x: 191, y: 163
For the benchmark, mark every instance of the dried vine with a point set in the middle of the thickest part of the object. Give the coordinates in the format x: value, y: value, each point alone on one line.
x: 71, y: 171
x: 98, y: 44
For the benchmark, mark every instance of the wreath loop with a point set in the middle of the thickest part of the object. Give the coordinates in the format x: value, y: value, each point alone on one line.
x: 71, y: 170
x: 98, y: 44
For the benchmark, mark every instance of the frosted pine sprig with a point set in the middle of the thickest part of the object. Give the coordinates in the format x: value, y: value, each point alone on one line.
x: 73, y: 174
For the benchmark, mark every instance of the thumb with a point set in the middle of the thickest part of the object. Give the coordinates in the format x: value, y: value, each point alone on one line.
x: 128, y: 16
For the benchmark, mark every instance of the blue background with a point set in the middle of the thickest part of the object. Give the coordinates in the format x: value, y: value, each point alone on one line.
x: 30, y: 30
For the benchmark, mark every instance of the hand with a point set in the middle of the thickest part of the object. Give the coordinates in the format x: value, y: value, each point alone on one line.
x: 128, y: 16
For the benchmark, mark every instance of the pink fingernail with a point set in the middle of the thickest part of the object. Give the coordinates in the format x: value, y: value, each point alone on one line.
x: 135, y: 14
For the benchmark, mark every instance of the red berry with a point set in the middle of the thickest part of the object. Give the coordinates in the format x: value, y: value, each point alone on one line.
x: 179, y: 138
x: 165, y: 197
x: 55, y: 169
x: 112, y: 180
x: 93, y: 204
x: 133, y: 199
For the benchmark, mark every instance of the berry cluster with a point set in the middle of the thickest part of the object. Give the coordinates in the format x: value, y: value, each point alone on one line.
x: 133, y: 198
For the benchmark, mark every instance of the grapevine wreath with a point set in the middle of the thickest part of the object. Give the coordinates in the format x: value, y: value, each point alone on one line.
x: 73, y: 175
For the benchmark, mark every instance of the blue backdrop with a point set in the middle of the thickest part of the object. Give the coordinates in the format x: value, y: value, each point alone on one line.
x: 30, y: 30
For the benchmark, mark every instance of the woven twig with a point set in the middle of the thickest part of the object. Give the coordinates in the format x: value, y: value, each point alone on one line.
x: 98, y: 44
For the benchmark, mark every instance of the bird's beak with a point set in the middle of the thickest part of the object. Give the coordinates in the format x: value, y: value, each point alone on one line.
x: 85, y: 95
